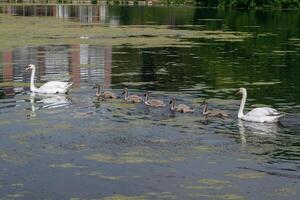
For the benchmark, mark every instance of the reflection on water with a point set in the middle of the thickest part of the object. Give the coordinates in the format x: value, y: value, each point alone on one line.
x: 81, y: 143
x: 77, y: 63
x: 87, y: 14
x: 264, y: 129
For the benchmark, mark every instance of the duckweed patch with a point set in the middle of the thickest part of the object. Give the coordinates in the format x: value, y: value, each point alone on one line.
x: 125, y: 158
x: 213, y: 182
x: 204, y: 148
x: 7, y: 156
x: 194, y: 187
x: 229, y: 197
x: 135, y: 156
x: 5, y: 122
x: 66, y: 165
x: 124, y: 197
x: 145, y: 196
x: 248, y: 175
x: 15, y: 195
x: 100, y: 174
x: 55, y: 32
x: 283, y: 192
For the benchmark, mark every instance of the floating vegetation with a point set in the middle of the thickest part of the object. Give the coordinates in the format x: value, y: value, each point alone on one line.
x: 213, y: 182
x: 282, y: 192
x: 229, y: 197
x: 146, y: 196
x: 138, y: 83
x: 265, y: 83
x: 65, y: 165
x: 17, y: 185
x: 7, y: 156
x: 248, y: 175
x: 5, y: 122
x: 54, y: 32
x: 132, y: 157
x: 135, y: 156
x: 283, y: 52
x: 194, y: 187
x: 204, y: 148
x: 125, y: 197
x: 102, y: 176
x: 15, y: 195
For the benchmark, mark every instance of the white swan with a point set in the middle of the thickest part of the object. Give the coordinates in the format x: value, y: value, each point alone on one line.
x: 264, y: 114
x: 51, y: 87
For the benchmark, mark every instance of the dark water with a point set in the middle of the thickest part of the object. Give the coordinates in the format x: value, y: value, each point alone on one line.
x: 76, y: 146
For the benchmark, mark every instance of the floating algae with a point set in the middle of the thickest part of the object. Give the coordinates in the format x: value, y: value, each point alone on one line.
x: 125, y: 197
x: 145, y: 196
x: 65, y: 165
x: 283, y: 192
x: 248, y: 175
x: 135, y: 156
x: 213, y: 182
x: 194, y: 187
x: 55, y: 32
x: 229, y: 197
x: 100, y: 174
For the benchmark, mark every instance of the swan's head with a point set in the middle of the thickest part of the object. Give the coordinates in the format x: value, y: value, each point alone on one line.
x: 97, y: 85
x: 203, y: 103
x: 30, y: 66
x: 125, y: 91
x: 146, y: 94
x: 173, y: 100
x: 241, y: 91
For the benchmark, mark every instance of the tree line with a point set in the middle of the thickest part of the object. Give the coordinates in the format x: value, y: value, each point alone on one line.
x: 242, y: 4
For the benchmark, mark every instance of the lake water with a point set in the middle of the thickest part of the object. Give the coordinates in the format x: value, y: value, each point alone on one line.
x: 76, y: 146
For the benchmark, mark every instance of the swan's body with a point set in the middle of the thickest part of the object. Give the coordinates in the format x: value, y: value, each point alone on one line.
x: 153, y: 102
x: 51, y: 87
x: 263, y: 114
x: 106, y: 94
x: 181, y: 107
x: 214, y: 112
x: 131, y: 98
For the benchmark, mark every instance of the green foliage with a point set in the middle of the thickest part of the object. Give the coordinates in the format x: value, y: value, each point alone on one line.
x: 208, y: 3
x: 249, y: 4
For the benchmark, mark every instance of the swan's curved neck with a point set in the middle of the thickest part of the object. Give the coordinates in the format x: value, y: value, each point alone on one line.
x: 125, y: 94
x: 32, y: 87
x: 241, y: 110
x: 146, y: 97
x: 204, y: 112
x: 98, y: 91
x: 173, y: 105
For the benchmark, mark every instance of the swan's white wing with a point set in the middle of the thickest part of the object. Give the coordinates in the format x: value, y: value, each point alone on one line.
x: 55, y: 87
x: 54, y: 84
x: 264, y: 111
x: 263, y: 114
